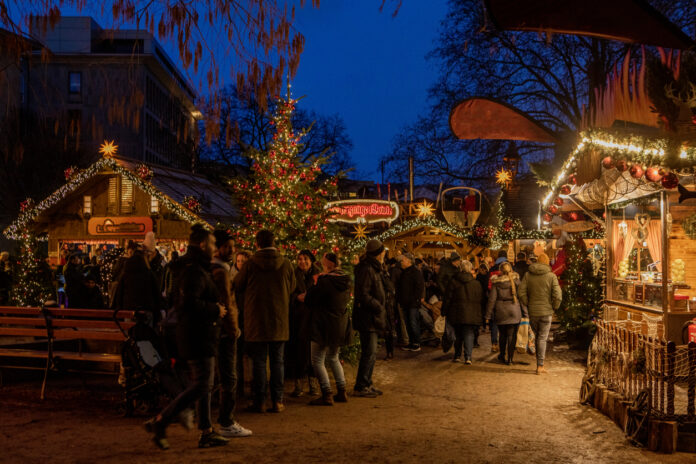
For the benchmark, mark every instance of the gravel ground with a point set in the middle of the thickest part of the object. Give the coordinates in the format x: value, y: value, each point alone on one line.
x: 432, y: 411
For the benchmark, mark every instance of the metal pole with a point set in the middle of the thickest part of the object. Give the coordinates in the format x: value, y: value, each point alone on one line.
x: 664, y: 210
x: 410, y: 176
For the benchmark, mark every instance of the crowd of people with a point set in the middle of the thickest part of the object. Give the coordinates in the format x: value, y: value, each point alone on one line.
x: 215, y: 303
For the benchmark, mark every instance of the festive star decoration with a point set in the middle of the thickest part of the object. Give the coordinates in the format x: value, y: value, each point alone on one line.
x: 108, y: 149
x: 360, y: 231
x: 502, y: 177
x: 424, y: 209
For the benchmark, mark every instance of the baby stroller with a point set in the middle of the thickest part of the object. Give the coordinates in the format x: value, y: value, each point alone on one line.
x: 146, y: 374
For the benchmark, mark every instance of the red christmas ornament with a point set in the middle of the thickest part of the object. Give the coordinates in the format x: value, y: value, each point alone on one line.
x: 547, y: 217
x: 608, y: 162
x: 654, y: 174
x: 574, y: 216
x: 553, y: 209
x: 670, y: 181
x: 636, y: 171
x: 558, y: 201
x: 565, y: 190
x: 573, y: 179
x: 621, y: 165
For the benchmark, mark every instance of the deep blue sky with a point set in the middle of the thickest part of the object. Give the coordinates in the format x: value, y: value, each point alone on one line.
x: 368, y: 67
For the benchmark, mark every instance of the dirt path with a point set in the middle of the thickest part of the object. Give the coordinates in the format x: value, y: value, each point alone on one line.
x: 432, y: 411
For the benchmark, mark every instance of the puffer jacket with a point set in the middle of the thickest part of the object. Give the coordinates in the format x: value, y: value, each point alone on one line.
x: 540, y: 291
x: 502, y: 307
x: 267, y: 280
x: 328, y: 305
x: 462, y: 303
x: 369, y: 311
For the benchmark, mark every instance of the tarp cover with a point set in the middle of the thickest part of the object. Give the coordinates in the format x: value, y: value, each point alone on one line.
x: 632, y: 21
x: 484, y: 118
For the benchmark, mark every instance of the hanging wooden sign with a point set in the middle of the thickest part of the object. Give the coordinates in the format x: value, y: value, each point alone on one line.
x: 119, y: 225
x: 363, y: 211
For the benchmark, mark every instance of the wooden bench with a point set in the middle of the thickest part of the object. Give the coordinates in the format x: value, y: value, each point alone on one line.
x: 46, y: 326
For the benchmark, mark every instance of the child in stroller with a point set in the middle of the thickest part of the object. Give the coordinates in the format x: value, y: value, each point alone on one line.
x: 147, y: 373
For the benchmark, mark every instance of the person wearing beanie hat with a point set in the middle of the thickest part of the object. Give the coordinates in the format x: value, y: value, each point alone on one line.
x: 541, y: 293
x: 369, y: 313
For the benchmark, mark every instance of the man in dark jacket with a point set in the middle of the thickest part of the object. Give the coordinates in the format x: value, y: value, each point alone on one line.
x: 227, y: 349
x: 138, y: 290
x: 369, y: 314
x: 462, y: 308
x: 198, y: 330
x: 448, y: 268
x: 410, y: 292
x: 267, y: 280
x: 521, y: 265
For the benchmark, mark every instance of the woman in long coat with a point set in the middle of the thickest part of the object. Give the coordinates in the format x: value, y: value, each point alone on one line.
x: 505, y: 309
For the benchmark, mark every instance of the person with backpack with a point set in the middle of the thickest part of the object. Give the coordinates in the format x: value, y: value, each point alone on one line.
x: 505, y: 309
x: 329, y: 327
x: 462, y: 308
x: 541, y: 293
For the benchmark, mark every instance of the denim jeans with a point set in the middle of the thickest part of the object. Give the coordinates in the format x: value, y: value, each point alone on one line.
x: 464, y: 334
x: 368, y: 355
x: 413, y: 325
x: 320, y: 354
x: 202, y: 373
x: 541, y: 325
x: 494, y: 333
x: 227, y: 369
x: 259, y: 353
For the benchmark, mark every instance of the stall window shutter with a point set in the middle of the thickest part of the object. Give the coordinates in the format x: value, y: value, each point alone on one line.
x: 127, y: 200
x: 112, y: 207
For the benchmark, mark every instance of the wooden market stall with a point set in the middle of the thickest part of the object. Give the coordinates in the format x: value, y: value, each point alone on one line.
x: 115, y: 200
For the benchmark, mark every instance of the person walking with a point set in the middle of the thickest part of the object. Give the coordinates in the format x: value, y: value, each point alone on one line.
x: 410, y: 291
x: 138, y: 290
x: 298, y: 362
x: 541, y: 293
x: 505, y: 309
x: 369, y: 313
x: 267, y: 280
x: 329, y: 327
x: 227, y: 348
x: 462, y: 308
x: 197, y: 331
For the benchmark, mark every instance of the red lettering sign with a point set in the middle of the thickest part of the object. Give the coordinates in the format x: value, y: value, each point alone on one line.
x: 367, y: 211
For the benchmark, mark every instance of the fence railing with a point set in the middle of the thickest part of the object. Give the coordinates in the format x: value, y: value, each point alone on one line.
x: 628, y: 361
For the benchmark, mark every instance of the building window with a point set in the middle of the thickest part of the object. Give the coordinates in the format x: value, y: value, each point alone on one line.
x: 75, y: 83
x: 87, y: 205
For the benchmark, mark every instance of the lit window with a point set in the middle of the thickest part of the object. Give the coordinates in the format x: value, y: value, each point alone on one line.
x: 154, y: 205
x: 87, y: 205
x: 75, y: 83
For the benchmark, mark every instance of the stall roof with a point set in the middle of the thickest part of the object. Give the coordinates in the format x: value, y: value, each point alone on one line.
x: 169, y: 185
x: 613, y: 187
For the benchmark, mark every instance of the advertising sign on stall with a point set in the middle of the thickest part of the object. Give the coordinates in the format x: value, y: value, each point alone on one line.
x: 363, y: 211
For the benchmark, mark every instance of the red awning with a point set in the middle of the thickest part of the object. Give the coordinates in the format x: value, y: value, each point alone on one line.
x: 632, y: 21
x: 484, y: 118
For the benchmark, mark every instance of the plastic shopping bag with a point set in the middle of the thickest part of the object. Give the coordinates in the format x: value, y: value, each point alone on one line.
x: 523, y: 335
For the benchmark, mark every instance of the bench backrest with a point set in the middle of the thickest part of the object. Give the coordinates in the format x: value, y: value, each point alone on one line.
x: 64, y: 324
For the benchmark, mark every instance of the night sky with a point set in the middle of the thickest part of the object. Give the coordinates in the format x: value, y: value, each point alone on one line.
x: 368, y: 67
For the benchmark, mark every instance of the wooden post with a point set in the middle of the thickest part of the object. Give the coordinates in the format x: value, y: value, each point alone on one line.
x: 690, y: 409
x: 661, y: 380
x: 671, y: 352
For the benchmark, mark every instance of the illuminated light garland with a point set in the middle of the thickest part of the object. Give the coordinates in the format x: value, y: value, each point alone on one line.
x: 33, y: 284
x: 14, y: 230
x: 637, y: 149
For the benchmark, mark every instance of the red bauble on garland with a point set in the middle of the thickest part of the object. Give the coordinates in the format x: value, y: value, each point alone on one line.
x: 670, y: 181
x: 621, y: 165
x: 608, y: 162
x: 553, y: 209
x: 654, y: 174
x: 565, y: 190
x: 573, y: 179
x: 547, y: 217
x: 558, y: 202
x: 636, y: 171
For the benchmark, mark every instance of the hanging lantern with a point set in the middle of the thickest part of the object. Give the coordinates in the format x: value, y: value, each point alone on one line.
x: 621, y: 165
x: 636, y: 171
x: 654, y: 174
x: 608, y: 162
x: 558, y: 201
x: 670, y: 181
x: 565, y: 190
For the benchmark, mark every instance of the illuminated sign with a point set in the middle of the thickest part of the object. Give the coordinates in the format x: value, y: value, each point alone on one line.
x: 363, y: 211
x: 119, y: 225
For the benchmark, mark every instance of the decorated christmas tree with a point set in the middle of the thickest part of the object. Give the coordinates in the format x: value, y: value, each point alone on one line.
x: 32, y: 284
x: 284, y: 194
x: 582, y: 288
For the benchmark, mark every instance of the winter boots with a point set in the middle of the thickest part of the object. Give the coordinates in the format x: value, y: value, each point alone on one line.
x: 324, y: 400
